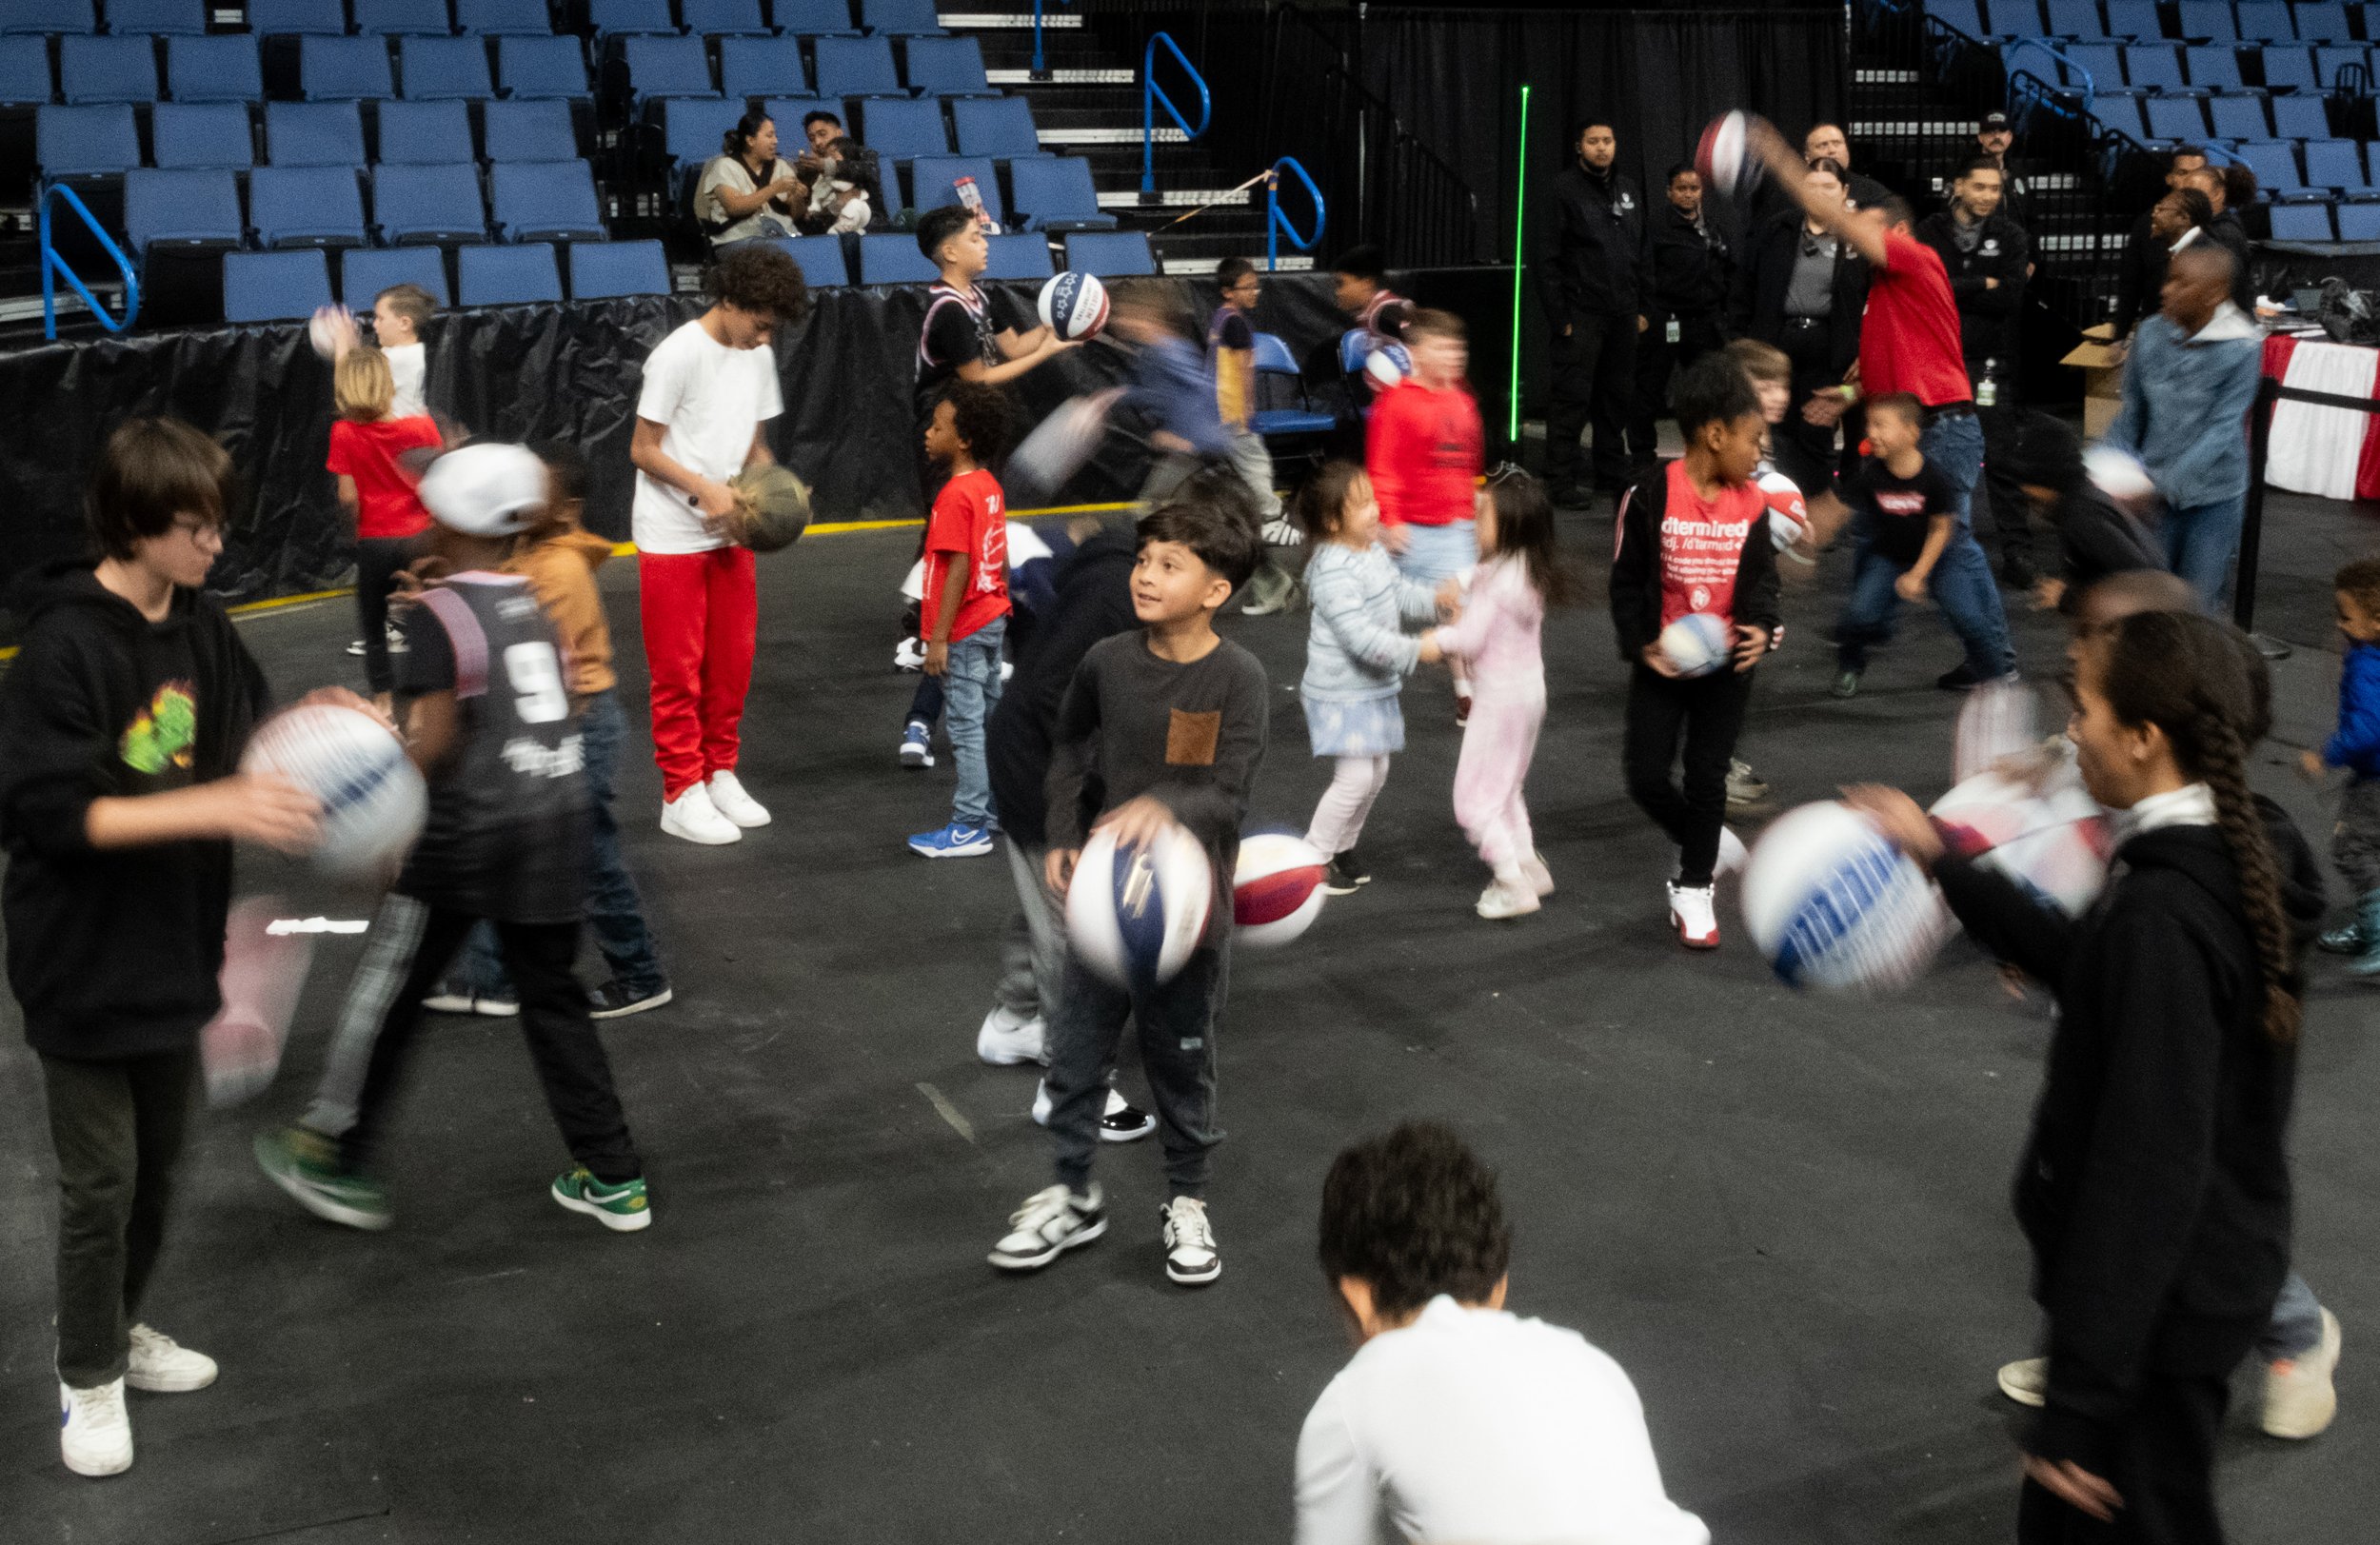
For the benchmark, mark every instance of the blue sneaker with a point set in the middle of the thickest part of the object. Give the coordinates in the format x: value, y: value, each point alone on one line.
x: 952, y: 841
x: 917, y: 744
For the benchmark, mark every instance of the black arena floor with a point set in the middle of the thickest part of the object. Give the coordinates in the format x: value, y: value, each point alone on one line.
x: 1785, y: 1215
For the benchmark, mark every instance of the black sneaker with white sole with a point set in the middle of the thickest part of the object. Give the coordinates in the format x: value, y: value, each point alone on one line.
x: 1124, y: 1122
x: 1346, y: 872
x: 616, y: 999
x: 1050, y: 1223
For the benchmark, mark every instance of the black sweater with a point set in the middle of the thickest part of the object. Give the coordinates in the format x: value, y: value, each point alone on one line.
x: 115, y: 953
x: 1637, y: 569
x: 1093, y: 600
x: 2156, y: 1178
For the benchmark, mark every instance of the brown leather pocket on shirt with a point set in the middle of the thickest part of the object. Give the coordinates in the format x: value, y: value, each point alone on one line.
x: 1190, y: 739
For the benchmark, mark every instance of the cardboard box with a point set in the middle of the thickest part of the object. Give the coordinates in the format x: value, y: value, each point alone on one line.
x: 2103, y: 378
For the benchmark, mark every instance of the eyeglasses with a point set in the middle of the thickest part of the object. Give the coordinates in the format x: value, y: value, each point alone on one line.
x: 196, y: 531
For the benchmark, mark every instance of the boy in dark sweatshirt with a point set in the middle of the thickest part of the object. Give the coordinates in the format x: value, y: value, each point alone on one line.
x: 120, y: 798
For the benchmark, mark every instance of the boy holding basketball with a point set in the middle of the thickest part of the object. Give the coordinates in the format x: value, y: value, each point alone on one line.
x: 967, y: 601
x: 1167, y: 725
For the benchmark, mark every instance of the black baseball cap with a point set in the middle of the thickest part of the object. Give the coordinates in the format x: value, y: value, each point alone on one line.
x: 1992, y: 121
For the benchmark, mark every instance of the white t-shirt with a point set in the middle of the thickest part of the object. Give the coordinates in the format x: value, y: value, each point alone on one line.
x: 1474, y: 1425
x: 408, y: 364
x: 709, y: 398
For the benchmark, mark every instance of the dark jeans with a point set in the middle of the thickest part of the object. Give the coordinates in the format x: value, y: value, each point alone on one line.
x: 117, y: 1128
x: 1960, y: 585
x: 2161, y: 1454
x: 1176, y: 1023
x: 2012, y: 512
x: 614, y: 912
x: 925, y: 703
x: 377, y: 561
x: 1656, y: 357
x: 1705, y: 714
x: 410, y: 945
x: 1595, y: 374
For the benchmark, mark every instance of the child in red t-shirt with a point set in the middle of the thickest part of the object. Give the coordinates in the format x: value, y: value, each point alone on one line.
x: 965, y: 606
x: 366, y: 442
x: 1425, y: 449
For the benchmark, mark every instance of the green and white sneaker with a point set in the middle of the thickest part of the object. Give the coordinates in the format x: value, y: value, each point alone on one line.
x: 307, y: 1165
x: 622, y: 1208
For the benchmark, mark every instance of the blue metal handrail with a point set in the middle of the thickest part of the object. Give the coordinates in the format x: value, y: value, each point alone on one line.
x: 1040, y: 71
x: 1151, y: 95
x: 2089, y: 86
x: 53, y: 266
x: 1277, y: 223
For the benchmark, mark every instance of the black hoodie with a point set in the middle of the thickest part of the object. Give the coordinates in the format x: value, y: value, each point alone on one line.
x: 2156, y: 1178
x: 1093, y: 602
x: 115, y: 954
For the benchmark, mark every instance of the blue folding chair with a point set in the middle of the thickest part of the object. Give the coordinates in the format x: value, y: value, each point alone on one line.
x: 947, y: 67
x: 2155, y: 67
x: 893, y: 259
x: 2288, y: 68
x: 998, y: 125
x: 2324, y: 20
x: 692, y: 128
x: 2176, y: 118
x: 221, y: 69
x: 2208, y: 19
x: 722, y: 18
x: 313, y: 134
x: 344, y: 69
x: 819, y: 258
x: 198, y: 134
x: 855, y: 66
x: 2358, y: 222
x: 914, y: 18
x: 2135, y: 19
x: 549, y: 67
x: 97, y: 139
x: 1273, y: 358
x: 900, y: 127
x: 402, y: 18
x: 534, y: 201
x: 318, y: 18
x: 1111, y: 254
x: 2302, y: 223
x: 503, y: 18
x: 2329, y: 62
x: 2214, y: 67
x: 445, y: 68
x: 2337, y: 164
x: 616, y: 18
x: 532, y: 131
x: 601, y: 270
x: 105, y: 69
x: 25, y: 72
x: 367, y: 270
x: 659, y: 66
x: 2070, y: 18
x: 934, y: 180
x: 149, y: 18
x: 761, y: 67
x: 413, y: 204
x: 2274, y: 162
x: 1018, y: 256
x: 2238, y: 117
x: 507, y: 275
x: 2301, y: 118
x: 274, y: 286
x: 2263, y: 21
x: 428, y: 133
x: 181, y: 208
x: 306, y: 207
x: 814, y: 18
x: 1055, y: 192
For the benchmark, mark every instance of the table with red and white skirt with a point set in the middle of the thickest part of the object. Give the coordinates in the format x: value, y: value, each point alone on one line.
x: 2316, y: 448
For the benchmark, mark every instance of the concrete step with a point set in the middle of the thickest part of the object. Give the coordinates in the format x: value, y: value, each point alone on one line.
x: 1021, y: 77
x: 1010, y: 21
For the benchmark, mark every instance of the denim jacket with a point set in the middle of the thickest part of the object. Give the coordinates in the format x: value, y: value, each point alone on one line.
x: 2186, y: 401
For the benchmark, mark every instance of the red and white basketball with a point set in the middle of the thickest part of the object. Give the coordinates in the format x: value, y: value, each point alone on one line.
x: 1276, y: 889
x: 1724, y: 153
x: 1788, y: 515
x: 2049, y: 835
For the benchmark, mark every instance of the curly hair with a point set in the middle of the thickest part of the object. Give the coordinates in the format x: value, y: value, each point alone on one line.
x: 1414, y: 1214
x: 2360, y: 578
x: 983, y: 418
x: 761, y: 280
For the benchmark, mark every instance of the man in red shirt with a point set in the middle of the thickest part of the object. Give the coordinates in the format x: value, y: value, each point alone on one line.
x: 965, y: 605
x: 1424, y: 449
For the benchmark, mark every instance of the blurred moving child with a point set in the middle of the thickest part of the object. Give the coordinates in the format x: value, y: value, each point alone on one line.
x: 367, y: 439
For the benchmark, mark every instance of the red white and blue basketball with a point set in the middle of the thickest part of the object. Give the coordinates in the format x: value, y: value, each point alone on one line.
x: 1389, y: 362
x: 1697, y: 643
x: 372, y: 798
x: 1789, y: 514
x: 1833, y: 906
x: 1723, y: 155
x: 1075, y: 305
x: 2050, y: 837
x: 1276, y: 889
x: 1135, y: 914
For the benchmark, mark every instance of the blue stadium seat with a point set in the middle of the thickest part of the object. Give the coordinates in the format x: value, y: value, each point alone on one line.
x: 2214, y: 67
x: 107, y: 69
x: 320, y: 18
x: 934, y: 181
x: 857, y: 67
x: 2176, y: 118
x: 2359, y: 222
x: 200, y: 208
x: 691, y: 128
x: 306, y: 207
x: 786, y: 112
x: 313, y: 134
x: 2300, y: 118
x: 2330, y: 61
x: 661, y: 67
x: 1111, y: 254
x: 1018, y: 256
x: 25, y: 17
x: 947, y: 67
x: 506, y: 275
x: 344, y: 69
x: 416, y: 205
x: 2336, y: 164
x: 2263, y: 21
x: 2324, y: 21
x: 503, y: 18
x: 914, y: 18
x: 1961, y: 15
x: 613, y: 18
x: 97, y: 140
x: 549, y: 67
x: 444, y: 69
x: 2135, y: 19
x: 602, y: 270
x: 2210, y: 19
x: 819, y: 258
x: 2274, y: 162
x: 2155, y: 67
x: 2104, y: 62
x: 203, y: 134
x: 25, y: 72
x: 367, y: 270
x: 221, y: 69
x: 530, y: 132
x: 544, y: 200
x: 2239, y: 117
x: 722, y: 18
x: 998, y: 125
x: 2073, y: 18
x: 428, y: 133
x: 761, y: 67
x: 814, y: 18
x: 2290, y: 67
x: 403, y: 18
x: 2302, y: 223
x: 274, y: 286
x: 157, y: 18
x: 2017, y: 18
x: 899, y: 127
x: 1055, y: 192
x: 2120, y: 110
x: 1273, y: 358
x: 894, y: 259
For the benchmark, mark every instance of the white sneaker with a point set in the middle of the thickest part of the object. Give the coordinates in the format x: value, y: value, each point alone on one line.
x: 692, y: 816
x: 2299, y: 1398
x: 1540, y: 878
x: 729, y: 799
x: 1501, y: 900
x: 1050, y: 1223
x: 1281, y: 531
x: 1008, y: 1038
x: 94, y: 1431
x: 161, y: 1365
x: 1691, y: 914
x: 2026, y: 1380
x: 1191, y: 1257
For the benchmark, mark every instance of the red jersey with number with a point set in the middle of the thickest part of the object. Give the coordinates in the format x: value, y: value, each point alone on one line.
x: 1909, y: 338
x: 1702, y: 544
x: 970, y: 517
x: 1423, y: 449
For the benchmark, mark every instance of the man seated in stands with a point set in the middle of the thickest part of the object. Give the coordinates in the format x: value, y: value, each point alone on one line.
x: 839, y: 189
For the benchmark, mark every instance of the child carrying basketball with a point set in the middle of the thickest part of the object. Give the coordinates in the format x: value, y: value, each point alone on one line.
x: 967, y: 601
x: 1358, y: 656
x: 377, y: 493
x: 1693, y: 537
x: 1496, y: 635
x: 1423, y: 449
x: 1167, y: 725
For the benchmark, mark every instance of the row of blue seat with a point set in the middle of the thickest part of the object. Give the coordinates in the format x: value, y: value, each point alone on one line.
x: 810, y: 18
x: 105, y: 140
x: 2227, y: 116
x: 2212, y: 21
x: 853, y: 66
x: 2330, y: 166
x: 226, y: 68
x: 486, y: 18
x: 2168, y: 66
x: 324, y: 205
x: 894, y: 128
x: 2313, y: 223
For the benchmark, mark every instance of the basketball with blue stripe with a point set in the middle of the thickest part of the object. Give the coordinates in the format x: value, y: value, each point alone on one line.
x: 1136, y: 914
x: 1834, y: 906
x: 373, y: 797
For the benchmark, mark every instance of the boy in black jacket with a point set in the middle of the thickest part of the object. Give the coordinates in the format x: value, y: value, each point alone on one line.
x: 1693, y: 537
x: 120, y: 798
x: 2096, y: 537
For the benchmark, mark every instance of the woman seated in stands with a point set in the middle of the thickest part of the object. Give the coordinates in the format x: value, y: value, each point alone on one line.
x: 747, y: 190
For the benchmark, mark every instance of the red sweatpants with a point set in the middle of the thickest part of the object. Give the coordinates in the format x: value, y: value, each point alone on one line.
x: 701, y: 610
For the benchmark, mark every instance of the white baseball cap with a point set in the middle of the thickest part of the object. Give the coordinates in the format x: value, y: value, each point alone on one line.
x: 482, y: 488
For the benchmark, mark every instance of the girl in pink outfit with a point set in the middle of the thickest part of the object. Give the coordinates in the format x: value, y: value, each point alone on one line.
x: 1519, y: 573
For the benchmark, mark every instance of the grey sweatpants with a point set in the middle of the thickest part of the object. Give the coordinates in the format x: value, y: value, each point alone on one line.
x: 2355, y: 841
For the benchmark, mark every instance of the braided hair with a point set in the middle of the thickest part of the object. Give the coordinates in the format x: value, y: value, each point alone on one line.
x: 2184, y: 673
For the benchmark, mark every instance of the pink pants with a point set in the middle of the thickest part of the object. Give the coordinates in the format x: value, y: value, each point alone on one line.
x: 1495, y: 762
x: 702, y: 611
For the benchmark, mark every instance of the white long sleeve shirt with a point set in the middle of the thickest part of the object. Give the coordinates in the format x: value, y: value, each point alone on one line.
x: 1476, y: 1426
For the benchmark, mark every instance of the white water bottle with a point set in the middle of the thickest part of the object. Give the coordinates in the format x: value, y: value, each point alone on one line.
x: 1988, y: 389
x: 972, y: 198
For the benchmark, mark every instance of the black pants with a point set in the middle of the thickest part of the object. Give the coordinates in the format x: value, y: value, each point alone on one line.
x: 118, y: 1128
x: 1595, y: 374
x: 1698, y: 336
x: 1805, y: 451
x: 2162, y: 1460
x: 2012, y: 510
x: 1705, y: 713
x: 1176, y: 1023
x: 411, y: 943
x: 377, y: 561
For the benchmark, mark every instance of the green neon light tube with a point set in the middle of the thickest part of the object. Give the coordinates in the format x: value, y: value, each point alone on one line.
x: 1520, y: 199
